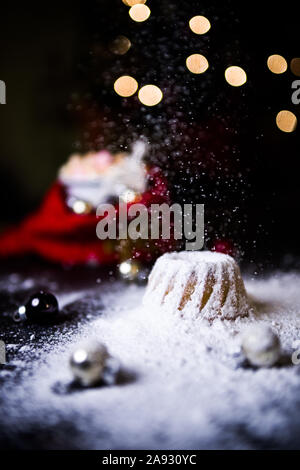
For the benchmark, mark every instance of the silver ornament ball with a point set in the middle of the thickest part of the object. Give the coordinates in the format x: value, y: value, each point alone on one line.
x: 261, y: 345
x: 91, y: 364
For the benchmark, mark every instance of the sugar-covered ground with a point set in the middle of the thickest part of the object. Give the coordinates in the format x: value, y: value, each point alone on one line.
x: 186, y: 385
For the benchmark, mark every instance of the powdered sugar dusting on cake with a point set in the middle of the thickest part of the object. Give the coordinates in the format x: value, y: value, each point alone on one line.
x: 197, y: 285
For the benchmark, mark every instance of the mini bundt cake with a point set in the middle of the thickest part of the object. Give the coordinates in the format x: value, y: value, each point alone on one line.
x: 199, y: 284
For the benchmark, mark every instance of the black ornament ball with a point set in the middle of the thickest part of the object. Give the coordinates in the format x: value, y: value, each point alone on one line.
x: 41, y: 307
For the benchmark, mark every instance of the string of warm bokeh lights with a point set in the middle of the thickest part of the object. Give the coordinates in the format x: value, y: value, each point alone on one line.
x: 151, y: 95
x: 278, y: 64
x: 286, y: 121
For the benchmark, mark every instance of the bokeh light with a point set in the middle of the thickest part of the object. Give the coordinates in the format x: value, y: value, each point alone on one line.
x: 139, y: 12
x: 286, y: 121
x: 235, y: 76
x: 150, y: 95
x: 125, y: 86
x: 125, y: 267
x: 81, y: 207
x: 130, y: 3
x: 197, y: 63
x: 128, y: 196
x: 277, y: 64
x: 295, y: 66
x: 120, y: 45
x: 199, y: 24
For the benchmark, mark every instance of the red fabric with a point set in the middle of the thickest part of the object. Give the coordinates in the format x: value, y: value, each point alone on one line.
x: 57, y: 234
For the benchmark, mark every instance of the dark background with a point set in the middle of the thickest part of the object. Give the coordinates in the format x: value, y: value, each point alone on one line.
x: 224, y: 148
